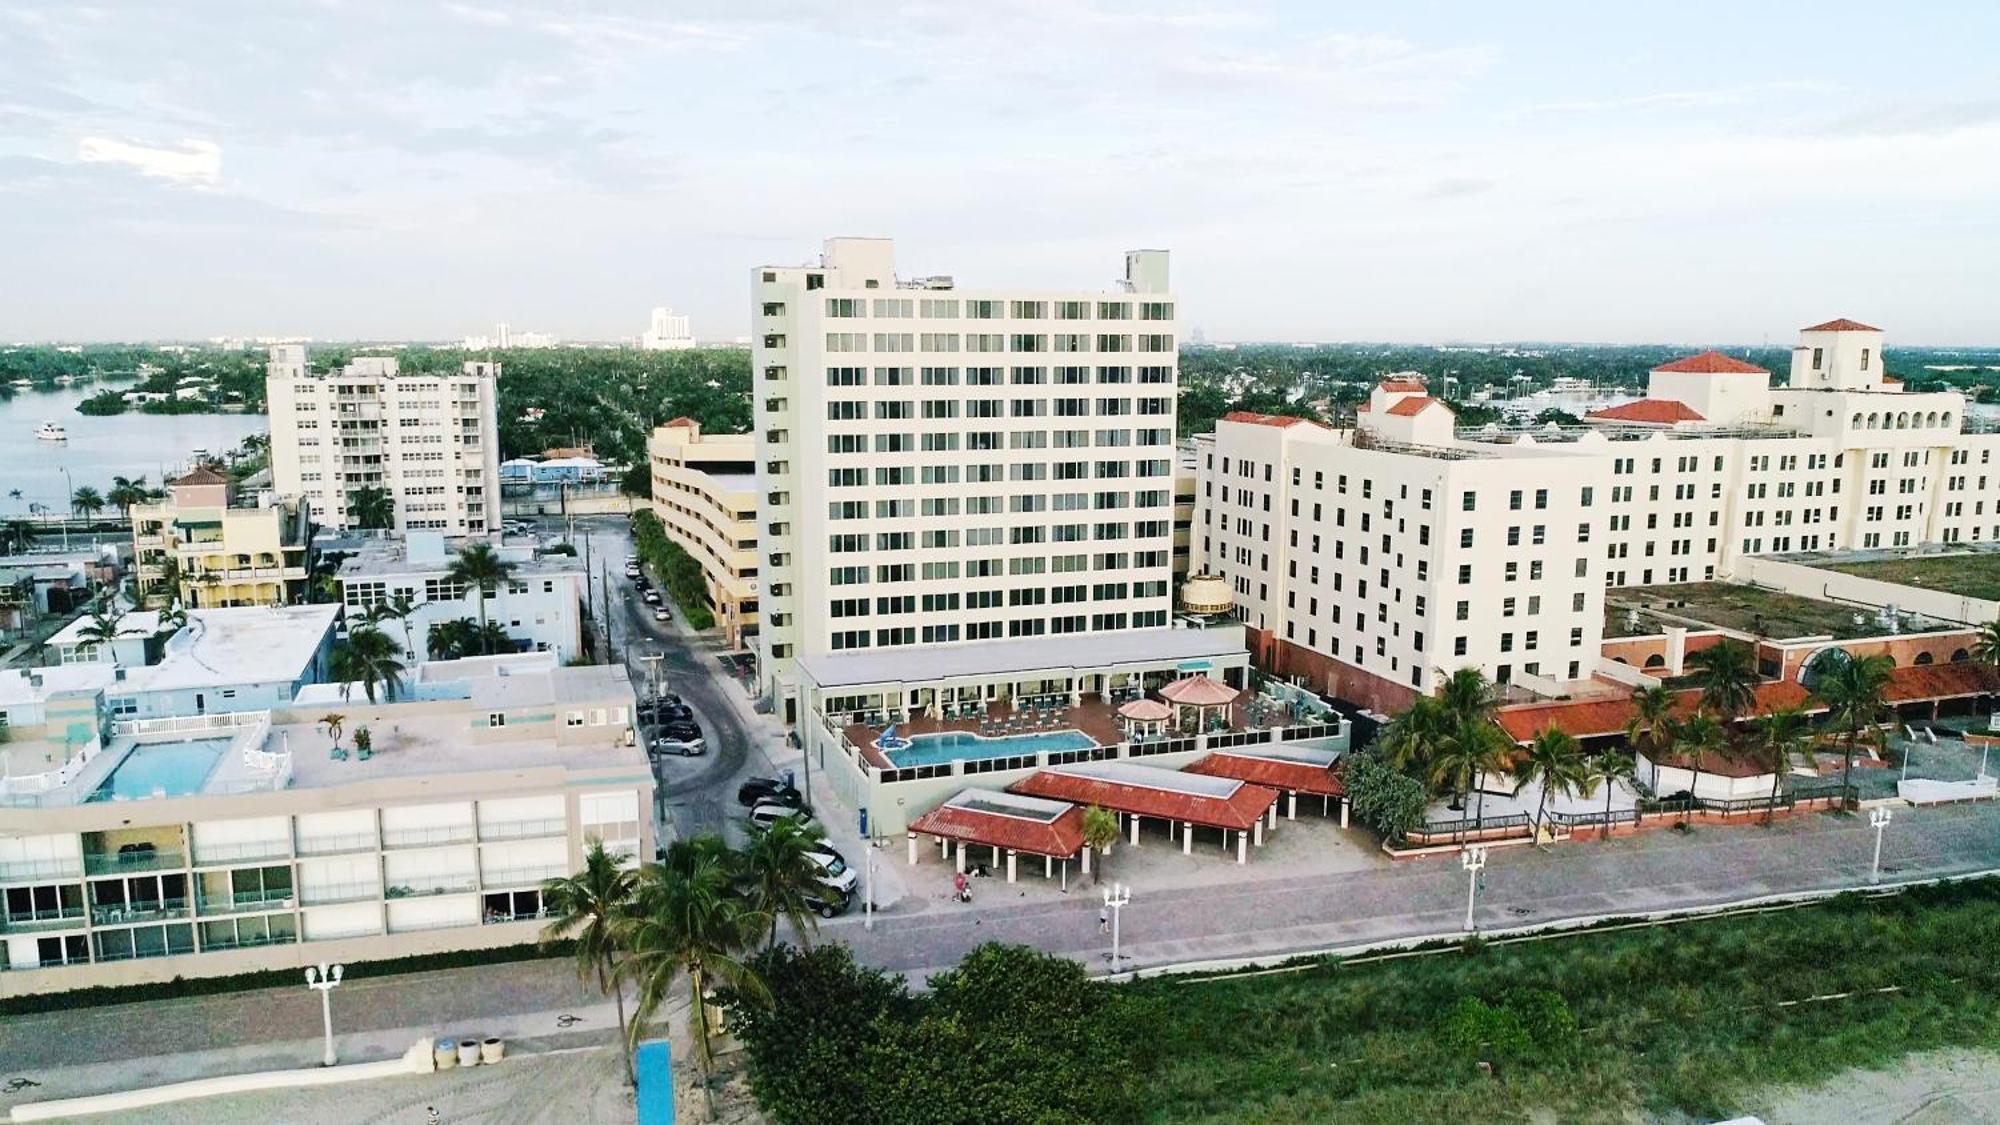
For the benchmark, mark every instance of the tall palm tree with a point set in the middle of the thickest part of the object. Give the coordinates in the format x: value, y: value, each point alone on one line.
x: 689, y: 921
x: 1608, y: 767
x: 370, y: 656
x: 1695, y: 738
x: 1100, y: 831
x: 1726, y: 673
x: 1986, y: 647
x: 1467, y: 697
x: 589, y: 907
x: 1407, y: 742
x: 127, y: 491
x: 400, y: 609
x: 478, y: 567
x: 371, y: 508
x: 780, y: 875
x: 1652, y: 711
x: 86, y: 500
x: 104, y: 626
x: 14, y: 494
x: 1780, y: 734
x: 1459, y: 759
x: 17, y: 534
x: 1854, y: 692
x: 1555, y: 760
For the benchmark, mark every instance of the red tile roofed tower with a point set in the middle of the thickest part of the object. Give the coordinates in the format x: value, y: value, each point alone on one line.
x: 1839, y: 355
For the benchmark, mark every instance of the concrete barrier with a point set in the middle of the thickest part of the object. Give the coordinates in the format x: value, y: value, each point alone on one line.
x: 416, y: 1060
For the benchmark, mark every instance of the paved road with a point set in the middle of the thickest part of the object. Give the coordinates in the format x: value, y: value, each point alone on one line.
x: 1661, y: 870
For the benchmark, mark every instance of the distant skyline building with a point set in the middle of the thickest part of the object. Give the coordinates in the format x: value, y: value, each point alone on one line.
x: 431, y: 441
x: 667, y: 332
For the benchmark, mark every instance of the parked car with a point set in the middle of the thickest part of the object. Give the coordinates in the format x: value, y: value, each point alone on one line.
x: 764, y: 790
x: 660, y: 614
x: 632, y: 570
x: 666, y: 714
x: 770, y: 812
x: 834, y: 871
x: 686, y: 746
x: 650, y: 597
x: 828, y: 902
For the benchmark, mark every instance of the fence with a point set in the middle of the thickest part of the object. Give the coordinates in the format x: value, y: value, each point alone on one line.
x: 1470, y: 830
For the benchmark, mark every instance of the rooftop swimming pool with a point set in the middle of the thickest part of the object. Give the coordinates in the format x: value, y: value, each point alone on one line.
x: 958, y: 745
x: 166, y: 769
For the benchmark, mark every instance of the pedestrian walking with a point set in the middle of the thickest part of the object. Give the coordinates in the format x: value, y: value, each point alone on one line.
x: 1103, y: 919
x: 431, y: 1115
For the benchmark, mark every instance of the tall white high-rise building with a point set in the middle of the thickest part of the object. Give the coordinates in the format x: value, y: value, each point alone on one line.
x: 430, y: 441
x: 668, y: 331
x: 939, y: 465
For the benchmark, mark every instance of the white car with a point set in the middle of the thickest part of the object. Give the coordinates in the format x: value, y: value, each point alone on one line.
x: 770, y: 812
x: 686, y: 747
x: 661, y: 614
x: 835, y: 873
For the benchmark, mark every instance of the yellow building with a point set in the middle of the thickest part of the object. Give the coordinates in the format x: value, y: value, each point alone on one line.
x: 705, y: 493
x: 209, y: 546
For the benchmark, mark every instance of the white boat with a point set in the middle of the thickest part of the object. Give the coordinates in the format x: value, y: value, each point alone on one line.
x: 52, y: 431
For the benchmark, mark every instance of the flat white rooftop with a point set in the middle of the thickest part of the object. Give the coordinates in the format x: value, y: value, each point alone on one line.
x: 33, y: 685
x: 1302, y: 754
x: 220, y: 647
x: 1088, y: 652
x: 1002, y: 803
x: 1152, y: 777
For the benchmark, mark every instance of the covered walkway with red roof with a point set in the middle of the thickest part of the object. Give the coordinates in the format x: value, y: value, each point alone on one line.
x: 1186, y: 801
x: 1008, y: 823
x: 1291, y: 770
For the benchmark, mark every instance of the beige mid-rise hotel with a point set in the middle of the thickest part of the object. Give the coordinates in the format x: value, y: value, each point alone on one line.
x: 941, y: 464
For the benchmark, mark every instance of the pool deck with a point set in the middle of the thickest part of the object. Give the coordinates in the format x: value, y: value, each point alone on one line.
x: 1095, y: 717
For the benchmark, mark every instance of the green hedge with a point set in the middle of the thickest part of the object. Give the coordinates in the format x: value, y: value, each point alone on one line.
x: 677, y: 570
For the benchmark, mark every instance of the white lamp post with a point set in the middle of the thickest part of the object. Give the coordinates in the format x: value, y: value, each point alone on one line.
x: 322, y: 979
x: 1116, y: 897
x: 1879, y: 817
x: 1473, y: 859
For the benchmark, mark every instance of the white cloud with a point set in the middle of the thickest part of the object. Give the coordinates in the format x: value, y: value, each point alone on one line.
x: 191, y: 164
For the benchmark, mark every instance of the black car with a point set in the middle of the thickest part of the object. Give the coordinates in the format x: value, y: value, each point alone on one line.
x: 762, y: 790
x: 679, y: 730
x: 666, y: 698
x: 666, y: 712
x: 828, y: 902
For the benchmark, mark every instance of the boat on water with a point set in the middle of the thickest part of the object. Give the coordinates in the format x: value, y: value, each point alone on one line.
x: 52, y: 431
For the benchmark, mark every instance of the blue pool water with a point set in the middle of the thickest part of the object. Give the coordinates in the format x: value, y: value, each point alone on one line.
x: 934, y: 749
x: 176, y: 768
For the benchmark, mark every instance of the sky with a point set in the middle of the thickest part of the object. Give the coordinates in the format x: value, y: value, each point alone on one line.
x: 1425, y: 172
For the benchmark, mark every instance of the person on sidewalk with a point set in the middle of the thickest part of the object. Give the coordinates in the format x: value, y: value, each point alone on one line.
x: 1103, y: 919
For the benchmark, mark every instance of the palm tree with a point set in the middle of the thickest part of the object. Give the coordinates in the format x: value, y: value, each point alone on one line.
x: 1100, y: 831
x: 1652, y: 711
x: 333, y: 722
x: 689, y: 921
x: 125, y: 492
x: 1780, y: 734
x: 1555, y: 759
x: 86, y: 500
x: 14, y: 494
x: 1727, y: 676
x: 1467, y: 697
x: 1986, y: 648
x: 780, y: 875
x: 104, y: 625
x: 1408, y: 741
x: 371, y: 508
x: 478, y: 567
x: 1459, y: 759
x: 588, y: 908
x: 399, y: 608
x: 368, y: 655
x: 1608, y: 767
x: 1853, y: 692
x: 1695, y: 738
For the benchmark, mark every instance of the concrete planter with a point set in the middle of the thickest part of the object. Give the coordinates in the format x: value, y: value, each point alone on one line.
x: 445, y: 1054
x: 491, y: 1050
x: 468, y: 1052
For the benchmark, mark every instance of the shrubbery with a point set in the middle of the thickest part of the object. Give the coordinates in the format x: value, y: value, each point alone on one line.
x: 1385, y: 800
x: 679, y: 573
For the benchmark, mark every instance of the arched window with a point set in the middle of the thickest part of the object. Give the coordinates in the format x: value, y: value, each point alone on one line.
x: 1857, y: 419
x: 1874, y: 421
x: 1930, y: 420
x: 1947, y: 419
x: 1960, y: 656
x: 1903, y: 420
x: 1656, y: 661
x: 1925, y: 658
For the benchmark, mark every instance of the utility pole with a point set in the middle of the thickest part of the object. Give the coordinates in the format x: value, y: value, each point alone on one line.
x: 1473, y: 859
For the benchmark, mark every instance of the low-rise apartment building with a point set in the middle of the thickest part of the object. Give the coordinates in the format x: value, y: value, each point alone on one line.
x: 539, y: 605
x: 430, y: 441
x: 1370, y: 559
x: 207, y: 660
x: 705, y: 494
x: 208, y: 544
x: 268, y: 839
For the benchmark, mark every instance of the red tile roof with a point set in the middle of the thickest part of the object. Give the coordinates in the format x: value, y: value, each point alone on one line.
x: 1199, y: 691
x: 1888, y: 379
x: 1060, y: 837
x: 1842, y: 325
x: 1651, y: 411
x: 1413, y: 406
x: 1719, y: 763
x: 1362, y: 409
x: 200, y: 474
x: 1711, y: 363
x: 683, y: 420
x: 1251, y: 417
x: 1237, y: 812
x: 1297, y: 777
x: 1915, y: 682
x: 1404, y: 386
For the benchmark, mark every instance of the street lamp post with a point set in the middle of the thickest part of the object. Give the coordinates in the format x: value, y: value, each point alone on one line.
x: 652, y: 662
x: 1116, y: 897
x: 323, y: 979
x: 1473, y: 859
x: 1879, y: 817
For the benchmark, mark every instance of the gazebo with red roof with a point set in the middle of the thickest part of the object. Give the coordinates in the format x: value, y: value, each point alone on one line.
x: 1200, y: 694
x: 1006, y: 822
x: 1186, y: 801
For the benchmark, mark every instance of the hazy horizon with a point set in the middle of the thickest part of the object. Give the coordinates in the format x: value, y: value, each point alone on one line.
x: 1442, y: 174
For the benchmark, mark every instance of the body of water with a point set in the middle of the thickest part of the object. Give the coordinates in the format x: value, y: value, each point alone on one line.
x: 936, y: 749
x: 130, y: 445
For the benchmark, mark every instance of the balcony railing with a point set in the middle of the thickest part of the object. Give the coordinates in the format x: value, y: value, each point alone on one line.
x: 152, y: 859
x: 449, y: 924
x: 244, y: 902
x: 336, y: 844
x: 524, y: 876
x: 247, y: 942
x: 39, y: 870
x: 421, y: 885
x: 212, y: 855
x: 523, y: 829
x: 426, y: 837
x: 341, y: 892
x: 113, y: 914
x: 62, y: 918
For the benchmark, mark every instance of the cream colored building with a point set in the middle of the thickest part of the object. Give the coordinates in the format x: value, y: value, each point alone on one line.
x: 226, y: 548
x: 237, y: 842
x: 705, y: 493
x: 431, y: 441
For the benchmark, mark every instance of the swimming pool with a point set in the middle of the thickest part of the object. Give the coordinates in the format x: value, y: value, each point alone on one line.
x: 175, y: 769
x: 935, y: 749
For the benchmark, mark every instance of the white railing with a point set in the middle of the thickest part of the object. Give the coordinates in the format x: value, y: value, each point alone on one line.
x: 524, y: 876
x: 24, y: 788
x: 192, y: 724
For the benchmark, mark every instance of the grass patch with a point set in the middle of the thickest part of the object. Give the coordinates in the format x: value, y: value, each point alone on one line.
x: 181, y: 987
x: 1971, y: 575
x: 1684, y: 1018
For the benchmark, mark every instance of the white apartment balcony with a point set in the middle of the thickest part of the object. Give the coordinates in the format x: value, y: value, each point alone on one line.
x: 328, y: 894
x: 523, y: 876
x: 146, y: 910
x: 219, y: 855
x: 41, y: 870
x: 35, y: 921
x: 247, y: 902
x: 523, y: 829
x: 415, y: 886
x: 337, y: 844
x: 430, y: 837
